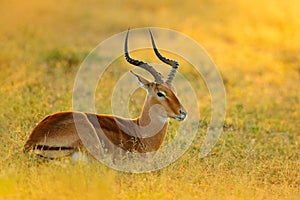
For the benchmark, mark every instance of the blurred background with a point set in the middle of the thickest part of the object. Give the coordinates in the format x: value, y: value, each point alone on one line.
x: 254, y: 43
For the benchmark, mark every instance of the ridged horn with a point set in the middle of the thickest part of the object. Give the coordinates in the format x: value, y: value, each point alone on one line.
x: 157, y: 76
x: 172, y: 63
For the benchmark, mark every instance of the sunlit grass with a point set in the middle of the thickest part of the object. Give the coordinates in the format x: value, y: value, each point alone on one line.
x: 256, y: 47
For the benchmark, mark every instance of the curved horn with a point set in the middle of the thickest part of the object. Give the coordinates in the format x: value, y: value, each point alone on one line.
x: 157, y: 76
x: 173, y: 63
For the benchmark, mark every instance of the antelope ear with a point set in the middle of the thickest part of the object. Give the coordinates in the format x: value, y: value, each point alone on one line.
x: 143, y: 82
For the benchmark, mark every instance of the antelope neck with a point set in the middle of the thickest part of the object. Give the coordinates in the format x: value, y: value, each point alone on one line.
x: 155, y: 118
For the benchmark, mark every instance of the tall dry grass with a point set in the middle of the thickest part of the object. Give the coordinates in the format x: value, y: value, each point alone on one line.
x: 256, y: 47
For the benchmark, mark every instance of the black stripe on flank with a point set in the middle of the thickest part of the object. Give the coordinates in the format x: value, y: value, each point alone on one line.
x: 43, y: 147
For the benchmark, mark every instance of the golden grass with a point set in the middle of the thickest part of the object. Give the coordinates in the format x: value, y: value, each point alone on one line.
x: 254, y: 43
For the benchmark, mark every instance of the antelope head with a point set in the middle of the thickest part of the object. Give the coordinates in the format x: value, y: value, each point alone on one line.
x: 161, y: 94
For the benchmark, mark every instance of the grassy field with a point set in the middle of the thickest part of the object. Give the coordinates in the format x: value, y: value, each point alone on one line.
x: 255, y: 44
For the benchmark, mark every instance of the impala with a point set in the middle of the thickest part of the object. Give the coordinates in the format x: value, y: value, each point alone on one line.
x: 57, y: 134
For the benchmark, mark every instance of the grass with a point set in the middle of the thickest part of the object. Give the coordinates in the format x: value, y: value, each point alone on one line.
x: 256, y: 47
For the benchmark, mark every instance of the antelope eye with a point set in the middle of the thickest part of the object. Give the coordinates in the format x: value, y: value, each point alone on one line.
x: 161, y: 94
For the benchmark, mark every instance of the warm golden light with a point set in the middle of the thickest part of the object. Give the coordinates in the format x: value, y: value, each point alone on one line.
x: 255, y: 44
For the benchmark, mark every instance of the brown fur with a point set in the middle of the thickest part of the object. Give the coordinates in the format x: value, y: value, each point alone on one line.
x: 56, y: 135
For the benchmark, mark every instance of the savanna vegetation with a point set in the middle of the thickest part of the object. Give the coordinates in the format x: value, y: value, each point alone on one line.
x: 256, y: 46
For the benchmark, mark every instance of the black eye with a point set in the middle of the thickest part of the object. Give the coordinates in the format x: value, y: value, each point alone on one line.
x: 160, y: 94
